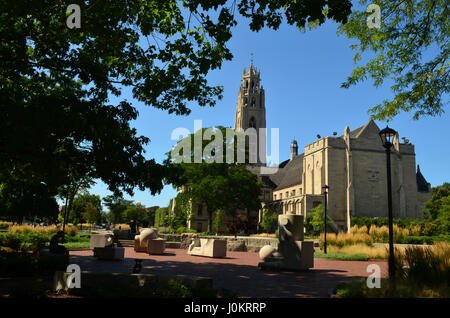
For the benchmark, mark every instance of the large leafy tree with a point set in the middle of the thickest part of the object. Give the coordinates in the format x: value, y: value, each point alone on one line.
x: 136, y: 212
x: 56, y: 114
x: 437, y: 210
x: 411, y: 49
x: 116, y: 205
x: 19, y: 201
x: 214, y: 180
x: 83, y: 201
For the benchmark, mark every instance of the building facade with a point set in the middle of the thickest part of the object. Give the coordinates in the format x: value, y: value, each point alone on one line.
x: 352, y: 165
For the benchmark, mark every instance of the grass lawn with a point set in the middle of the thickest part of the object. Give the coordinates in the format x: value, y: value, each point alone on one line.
x: 340, y: 256
x: 77, y: 245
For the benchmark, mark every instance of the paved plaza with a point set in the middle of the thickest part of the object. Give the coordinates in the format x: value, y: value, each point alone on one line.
x: 238, y: 272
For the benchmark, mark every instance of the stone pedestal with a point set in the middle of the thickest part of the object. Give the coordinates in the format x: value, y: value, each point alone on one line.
x: 156, y: 247
x: 293, y: 252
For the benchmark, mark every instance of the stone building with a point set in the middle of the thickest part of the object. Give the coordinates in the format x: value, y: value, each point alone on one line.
x: 352, y: 165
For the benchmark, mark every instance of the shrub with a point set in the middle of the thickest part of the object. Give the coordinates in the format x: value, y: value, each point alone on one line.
x: 416, y: 240
x: 122, y: 226
x: 183, y: 229
x: 344, y: 239
x: 425, y: 266
x: 11, y: 240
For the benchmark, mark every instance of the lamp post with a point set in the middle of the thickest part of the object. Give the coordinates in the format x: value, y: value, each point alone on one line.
x: 387, y: 136
x: 325, y: 188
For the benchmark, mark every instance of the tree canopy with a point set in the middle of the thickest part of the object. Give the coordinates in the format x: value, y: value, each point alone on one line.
x: 218, y: 184
x: 56, y: 82
x: 411, y: 49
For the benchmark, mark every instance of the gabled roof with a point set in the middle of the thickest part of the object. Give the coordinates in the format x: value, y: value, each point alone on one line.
x: 292, y: 173
x: 289, y: 174
x: 422, y: 184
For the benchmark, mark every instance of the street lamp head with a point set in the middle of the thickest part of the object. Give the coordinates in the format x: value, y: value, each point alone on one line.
x: 387, y: 137
x: 325, y: 188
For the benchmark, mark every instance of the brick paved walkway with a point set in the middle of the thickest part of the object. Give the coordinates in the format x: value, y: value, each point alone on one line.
x: 238, y: 272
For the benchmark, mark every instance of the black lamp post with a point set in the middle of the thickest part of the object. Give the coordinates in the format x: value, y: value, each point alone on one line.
x: 325, y: 188
x: 387, y: 136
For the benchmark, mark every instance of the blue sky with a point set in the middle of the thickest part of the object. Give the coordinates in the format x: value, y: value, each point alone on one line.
x: 301, y: 74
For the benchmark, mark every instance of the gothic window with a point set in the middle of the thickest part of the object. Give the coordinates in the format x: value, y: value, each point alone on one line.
x: 252, y: 123
x: 253, y: 87
x: 200, y: 210
x: 253, y: 103
x: 246, y: 84
x: 245, y: 100
x: 274, y: 196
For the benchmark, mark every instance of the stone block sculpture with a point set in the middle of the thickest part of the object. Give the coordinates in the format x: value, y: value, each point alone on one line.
x: 101, y: 240
x: 293, y: 252
x: 141, y: 240
x: 208, y: 248
x: 156, y: 246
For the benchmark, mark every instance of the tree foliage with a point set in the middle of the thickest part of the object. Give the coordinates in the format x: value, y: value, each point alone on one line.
x: 116, y: 205
x: 437, y: 212
x: 85, y: 205
x: 315, y: 221
x: 269, y: 220
x: 136, y: 212
x: 213, y: 181
x: 56, y: 83
x: 411, y: 48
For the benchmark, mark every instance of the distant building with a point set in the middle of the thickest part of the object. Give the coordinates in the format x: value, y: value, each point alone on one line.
x: 353, y: 165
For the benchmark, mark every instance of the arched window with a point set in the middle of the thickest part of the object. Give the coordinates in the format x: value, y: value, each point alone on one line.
x: 253, y: 103
x: 253, y: 87
x: 246, y: 84
x: 252, y: 123
x: 245, y: 100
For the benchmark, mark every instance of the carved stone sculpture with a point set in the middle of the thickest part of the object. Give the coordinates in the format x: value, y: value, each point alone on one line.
x: 293, y: 252
x: 208, y: 248
x: 141, y: 240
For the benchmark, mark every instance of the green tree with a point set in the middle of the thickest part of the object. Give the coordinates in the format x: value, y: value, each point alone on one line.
x: 161, y: 217
x: 218, y: 219
x: 135, y: 212
x: 213, y: 179
x: 269, y: 220
x: 437, y: 211
x: 315, y: 220
x: 92, y: 214
x: 411, y: 48
x: 79, y: 205
x: 20, y: 201
x: 57, y: 83
x: 116, y: 205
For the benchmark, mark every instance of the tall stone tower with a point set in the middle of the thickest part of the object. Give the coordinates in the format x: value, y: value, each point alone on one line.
x: 251, y: 110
